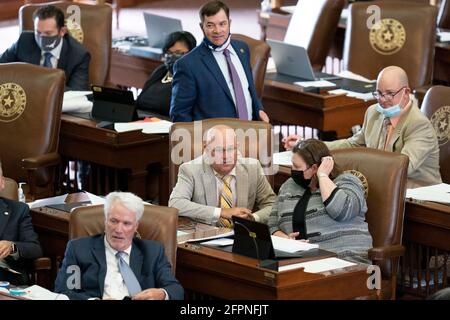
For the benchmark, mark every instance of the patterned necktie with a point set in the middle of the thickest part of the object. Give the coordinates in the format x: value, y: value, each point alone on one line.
x: 128, y: 275
x: 241, y: 105
x: 226, y: 200
x: 384, y: 133
x: 47, y: 60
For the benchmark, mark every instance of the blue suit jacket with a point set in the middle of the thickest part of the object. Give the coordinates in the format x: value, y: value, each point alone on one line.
x: 16, y: 226
x: 74, y: 58
x: 147, y: 260
x: 199, y: 89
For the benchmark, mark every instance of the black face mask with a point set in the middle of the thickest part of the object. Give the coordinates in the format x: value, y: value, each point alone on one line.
x: 170, y: 59
x: 299, y: 178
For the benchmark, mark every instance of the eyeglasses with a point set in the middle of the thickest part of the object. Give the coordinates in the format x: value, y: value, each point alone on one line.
x: 387, y: 96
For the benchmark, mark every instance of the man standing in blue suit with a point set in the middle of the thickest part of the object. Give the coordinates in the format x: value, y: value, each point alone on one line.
x: 116, y: 264
x: 215, y: 79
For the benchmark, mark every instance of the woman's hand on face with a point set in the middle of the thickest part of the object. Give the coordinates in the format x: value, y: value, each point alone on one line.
x: 326, y: 166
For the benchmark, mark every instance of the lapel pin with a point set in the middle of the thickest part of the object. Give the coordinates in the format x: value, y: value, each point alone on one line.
x: 242, y: 50
x: 6, y: 213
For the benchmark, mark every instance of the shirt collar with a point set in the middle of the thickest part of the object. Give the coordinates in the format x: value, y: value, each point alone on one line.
x: 232, y: 173
x: 114, y: 251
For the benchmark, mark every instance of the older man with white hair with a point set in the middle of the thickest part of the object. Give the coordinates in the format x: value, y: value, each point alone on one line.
x: 116, y: 264
x: 220, y: 184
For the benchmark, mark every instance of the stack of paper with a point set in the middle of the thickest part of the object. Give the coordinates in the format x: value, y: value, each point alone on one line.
x: 364, y: 96
x: 317, y: 266
x: 149, y: 126
x: 291, y: 246
x: 443, y: 36
x: 76, y: 101
x: 317, y: 84
x: 38, y: 293
x: 437, y: 193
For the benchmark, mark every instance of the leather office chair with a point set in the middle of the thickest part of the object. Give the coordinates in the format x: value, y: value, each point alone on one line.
x: 386, y: 204
x: 95, y: 32
x: 313, y: 26
x: 157, y: 223
x: 444, y: 15
x: 30, y: 116
x: 258, y: 146
x: 406, y: 39
x: 259, y: 55
x: 436, y: 106
x: 39, y: 269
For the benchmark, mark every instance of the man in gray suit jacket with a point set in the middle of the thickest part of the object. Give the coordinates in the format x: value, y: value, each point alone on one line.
x: 219, y: 184
x: 50, y: 46
x: 395, y: 124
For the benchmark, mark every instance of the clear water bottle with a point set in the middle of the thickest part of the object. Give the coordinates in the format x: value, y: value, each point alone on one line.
x: 265, y: 6
x: 21, y: 193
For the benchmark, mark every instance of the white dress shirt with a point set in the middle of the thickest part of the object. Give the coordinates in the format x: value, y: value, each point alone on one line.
x: 56, y: 53
x: 114, y: 287
x: 222, y: 62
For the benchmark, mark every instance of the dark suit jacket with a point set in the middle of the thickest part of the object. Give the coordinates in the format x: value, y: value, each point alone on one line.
x: 16, y: 226
x: 74, y: 58
x: 147, y: 260
x: 199, y: 89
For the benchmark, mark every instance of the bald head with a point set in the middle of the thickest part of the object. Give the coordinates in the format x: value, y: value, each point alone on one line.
x: 393, y: 78
x: 221, y: 148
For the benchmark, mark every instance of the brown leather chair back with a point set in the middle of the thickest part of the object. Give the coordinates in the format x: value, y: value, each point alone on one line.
x: 254, y: 137
x: 259, y: 55
x: 313, y: 26
x: 443, y: 20
x: 406, y: 39
x: 157, y: 223
x: 30, y: 116
x: 436, y: 106
x: 11, y: 190
x: 95, y: 32
x: 387, y: 189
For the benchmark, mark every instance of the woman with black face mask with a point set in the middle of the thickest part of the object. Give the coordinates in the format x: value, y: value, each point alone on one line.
x: 321, y: 204
x: 157, y: 91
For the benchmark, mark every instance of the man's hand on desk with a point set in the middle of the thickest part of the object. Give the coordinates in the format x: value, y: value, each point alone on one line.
x: 290, y: 141
x: 240, y: 212
x: 263, y: 116
x: 151, y: 294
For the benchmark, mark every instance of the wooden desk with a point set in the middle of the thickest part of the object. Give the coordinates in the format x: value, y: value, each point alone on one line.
x: 221, y: 274
x: 286, y: 103
x: 134, y: 151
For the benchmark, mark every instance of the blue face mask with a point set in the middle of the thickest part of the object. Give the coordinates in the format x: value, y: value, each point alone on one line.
x: 389, y: 112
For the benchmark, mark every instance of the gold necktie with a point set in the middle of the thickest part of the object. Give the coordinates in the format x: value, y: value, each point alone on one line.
x: 384, y: 134
x: 226, y: 200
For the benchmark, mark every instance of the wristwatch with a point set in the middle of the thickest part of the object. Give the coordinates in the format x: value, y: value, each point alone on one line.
x: 13, y: 248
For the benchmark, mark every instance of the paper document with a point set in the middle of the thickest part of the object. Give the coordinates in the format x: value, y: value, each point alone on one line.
x: 289, y: 245
x: 181, y: 233
x: 364, y: 96
x: 159, y: 126
x: 271, y: 67
x: 283, y: 158
x: 76, y: 101
x: 350, y: 75
x: 38, y: 293
x: 219, y: 242
x: 48, y: 201
x: 436, y: 193
x: 222, y: 235
x: 317, y: 266
x: 443, y: 36
x: 317, y: 84
x: 95, y: 199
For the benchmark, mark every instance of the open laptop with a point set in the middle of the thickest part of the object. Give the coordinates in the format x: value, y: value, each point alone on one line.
x: 293, y: 64
x: 159, y: 27
x: 252, y: 239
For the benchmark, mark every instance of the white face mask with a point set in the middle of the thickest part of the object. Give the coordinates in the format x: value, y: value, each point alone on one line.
x: 390, y: 112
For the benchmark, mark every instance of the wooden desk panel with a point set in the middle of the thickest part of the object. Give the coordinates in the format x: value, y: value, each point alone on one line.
x: 80, y: 139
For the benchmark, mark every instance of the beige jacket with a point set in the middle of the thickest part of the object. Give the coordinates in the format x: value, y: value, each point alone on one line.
x: 413, y: 136
x: 195, y: 194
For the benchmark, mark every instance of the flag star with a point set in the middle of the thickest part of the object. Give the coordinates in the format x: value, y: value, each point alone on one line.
x: 8, y: 101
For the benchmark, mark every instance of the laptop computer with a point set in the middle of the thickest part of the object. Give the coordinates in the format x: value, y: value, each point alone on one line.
x: 159, y: 27
x: 112, y: 105
x: 253, y: 239
x: 293, y: 64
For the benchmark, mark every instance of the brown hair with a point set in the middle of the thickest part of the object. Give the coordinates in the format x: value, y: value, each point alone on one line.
x: 312, y: 151
x: 213, y: 7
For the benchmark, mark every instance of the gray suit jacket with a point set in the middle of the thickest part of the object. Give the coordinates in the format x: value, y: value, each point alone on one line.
x: 195, y: 194
x: 414, y: 136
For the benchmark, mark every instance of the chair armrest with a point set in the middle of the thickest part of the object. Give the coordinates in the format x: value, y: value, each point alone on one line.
x: 42, y: 264
x: 386, y: 252
x: 41, y: 161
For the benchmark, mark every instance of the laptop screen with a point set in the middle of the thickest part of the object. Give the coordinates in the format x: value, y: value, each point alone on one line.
x: 159, y: 27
